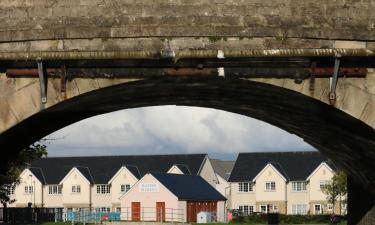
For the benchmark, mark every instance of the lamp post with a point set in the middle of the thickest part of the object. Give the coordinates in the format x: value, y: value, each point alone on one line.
x: 31, y: 196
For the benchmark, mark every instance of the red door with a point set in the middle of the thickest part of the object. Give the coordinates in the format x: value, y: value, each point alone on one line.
x: 136, y: 211
x: 191, y: 212
x: 160, y: 211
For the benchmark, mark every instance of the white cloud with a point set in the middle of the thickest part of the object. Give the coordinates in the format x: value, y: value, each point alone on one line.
x: 171, y: 129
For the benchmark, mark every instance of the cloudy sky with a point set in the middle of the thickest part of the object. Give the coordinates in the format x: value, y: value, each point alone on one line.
x: 171, y: 129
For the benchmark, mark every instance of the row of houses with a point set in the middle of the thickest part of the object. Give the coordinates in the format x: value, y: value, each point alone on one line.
x: 284, y: 182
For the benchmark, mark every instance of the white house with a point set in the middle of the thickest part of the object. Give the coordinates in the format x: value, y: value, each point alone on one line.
x: 171, y: 197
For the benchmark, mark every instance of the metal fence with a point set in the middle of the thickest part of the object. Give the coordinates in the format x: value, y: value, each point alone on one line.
x: 28, y: 215
x: 122, y: 214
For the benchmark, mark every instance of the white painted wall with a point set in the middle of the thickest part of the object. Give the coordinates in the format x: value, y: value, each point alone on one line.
x: 123, y: 176
x: 148, y: 200
x: 241, y: 198
x: 175, y: 170
x: 297, y: 197
x: 270, y: 174
x: 52, y: 200
x: 22, y: 198
x: 207, y: 172
x: 322, y: 173
x: 76, y: 200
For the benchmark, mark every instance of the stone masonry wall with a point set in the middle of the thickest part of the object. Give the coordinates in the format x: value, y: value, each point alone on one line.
x: 22, y: 20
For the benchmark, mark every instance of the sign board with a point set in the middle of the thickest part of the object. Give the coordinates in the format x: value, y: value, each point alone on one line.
x: 148, y: 187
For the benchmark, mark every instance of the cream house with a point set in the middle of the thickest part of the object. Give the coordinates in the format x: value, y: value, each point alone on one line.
x: 171, y: 197
x: 96, y: 183
x: 284, y: 182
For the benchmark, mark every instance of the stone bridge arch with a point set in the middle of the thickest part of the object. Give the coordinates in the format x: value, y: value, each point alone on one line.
x: 135, y: 43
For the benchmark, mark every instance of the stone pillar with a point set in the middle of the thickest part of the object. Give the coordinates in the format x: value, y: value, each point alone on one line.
x: 361, y: 205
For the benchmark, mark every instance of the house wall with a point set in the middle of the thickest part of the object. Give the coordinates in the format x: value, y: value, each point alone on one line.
x: 294, y: 197
x: 182, y: 210
x: 52, y: 200
x: 22, y: 199
x: 207, y: 172
x: 124, y: 176
x: 100, y: 200
x: 262, y: 195
x: 148, y: 199
x: 323, y: 173
x: 241, y: 198
x: 222, y: 186
x: 76, y: 200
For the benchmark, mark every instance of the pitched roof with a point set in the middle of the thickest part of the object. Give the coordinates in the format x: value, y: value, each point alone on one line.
x: 103, y: 168
x: 223, y: 168
x: 86, y: 173
x: 184, y: 168
x: 292, y: 165
x: 134, y: 170
x: 189, y: 187
x: 38, y: 174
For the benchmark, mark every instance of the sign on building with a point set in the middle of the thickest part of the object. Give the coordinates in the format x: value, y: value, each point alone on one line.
x: 148, y: 187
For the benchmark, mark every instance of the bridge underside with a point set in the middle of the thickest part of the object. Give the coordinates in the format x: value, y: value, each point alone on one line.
x: 214, y: 79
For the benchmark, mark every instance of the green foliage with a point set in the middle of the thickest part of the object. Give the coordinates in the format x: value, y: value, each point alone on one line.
x: 257, y: 218
x: 25, y: 157
x: 336, y: 189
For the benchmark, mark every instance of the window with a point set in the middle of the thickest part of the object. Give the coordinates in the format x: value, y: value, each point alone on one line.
x: 29, y: 189
x: 299, y: 186
x: 103, y: 189
x: 118, y: 209
x: 76, y: 189
x: 263, y: 209
x: 245, y: 187
x: 323, y: 183
x: 246, y: 209
x: 10, y: 189
x: 299, y: 209
x: 318, y: 209
x: 329, y: 207
x: 275, y: 208
x: 125, y: 187
x: 54, y: 190
x: 103, y: 209
x: 270, y: 186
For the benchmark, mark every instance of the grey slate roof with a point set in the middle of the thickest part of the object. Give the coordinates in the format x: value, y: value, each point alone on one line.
x: 184, y: 168
x: 223, y: 168
x: 103, y: 168
x: 292, y: 165
x: 38, y: 173
x: 189, y: 187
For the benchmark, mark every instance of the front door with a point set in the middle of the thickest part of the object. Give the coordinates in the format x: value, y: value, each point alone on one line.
x: 136, y: 211
x: 160, y: 211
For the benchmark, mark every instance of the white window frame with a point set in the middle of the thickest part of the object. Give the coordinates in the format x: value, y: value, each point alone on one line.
x: 246, y: 209
x: 270, y: 186
x: 29, y: 189
x: 244, y: 187
x: 299, y: 186
x: 125, y: 188
x: 76, y: 189
x: 329, y: 207
x: 320, y: 209
x: 55, y: 189
x: 103, y: 189
x: 10, y: 189
x: 299, y: 209
x: 323, y: 183
x: 261, y: 210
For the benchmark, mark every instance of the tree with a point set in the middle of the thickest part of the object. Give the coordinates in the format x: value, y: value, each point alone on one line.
x: 336, y: 189
x: 11, y: 177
